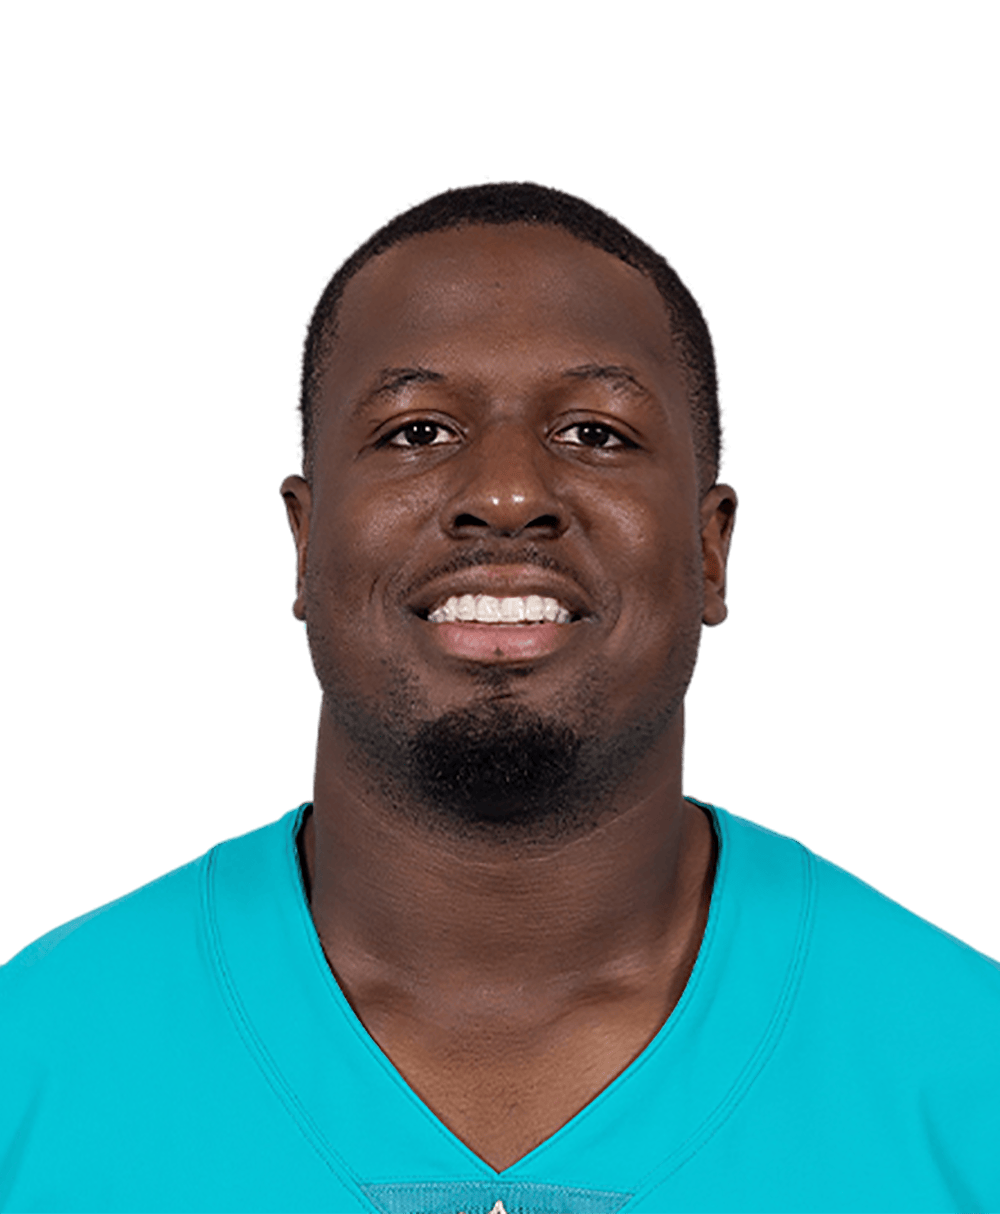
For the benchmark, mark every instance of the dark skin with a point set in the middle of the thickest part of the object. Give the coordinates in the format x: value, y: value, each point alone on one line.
x: 509, y: 977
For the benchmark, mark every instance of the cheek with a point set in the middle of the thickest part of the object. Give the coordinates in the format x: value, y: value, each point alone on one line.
x: 651, y: 542
x: 653, y: 555
x: 364, y: 538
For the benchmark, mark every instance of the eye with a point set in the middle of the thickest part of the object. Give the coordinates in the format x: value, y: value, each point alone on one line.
x: 420, y: 434
x: 592, y: 434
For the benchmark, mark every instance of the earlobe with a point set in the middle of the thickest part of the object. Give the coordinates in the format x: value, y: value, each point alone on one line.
x: 298, y: 504
x: 718, y: 515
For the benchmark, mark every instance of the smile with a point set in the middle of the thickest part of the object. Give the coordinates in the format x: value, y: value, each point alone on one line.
x: 509, y: 609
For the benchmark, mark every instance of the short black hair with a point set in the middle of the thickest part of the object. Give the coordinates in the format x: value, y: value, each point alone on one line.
x: 527, y: 203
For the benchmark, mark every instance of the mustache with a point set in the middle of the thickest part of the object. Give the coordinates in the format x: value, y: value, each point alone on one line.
x: 472, y: 558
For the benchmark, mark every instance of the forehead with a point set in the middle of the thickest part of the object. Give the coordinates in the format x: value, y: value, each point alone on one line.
x: 491, y: 299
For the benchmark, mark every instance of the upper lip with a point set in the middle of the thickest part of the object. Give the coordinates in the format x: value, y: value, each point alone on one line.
x: 502, y: 581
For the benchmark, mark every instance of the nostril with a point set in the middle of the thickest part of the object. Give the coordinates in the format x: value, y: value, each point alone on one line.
x: 469, y: 520
x: 548, y: 521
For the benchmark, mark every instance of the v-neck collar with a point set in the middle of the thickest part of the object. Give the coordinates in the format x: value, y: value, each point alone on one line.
x: 361, y: 1115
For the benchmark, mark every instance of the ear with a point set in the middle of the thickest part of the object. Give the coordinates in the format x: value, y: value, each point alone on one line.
x: 718, y: 514
x: 298, y: 503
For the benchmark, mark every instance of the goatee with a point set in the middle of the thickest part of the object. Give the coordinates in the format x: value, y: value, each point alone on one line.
x: 497, y: 769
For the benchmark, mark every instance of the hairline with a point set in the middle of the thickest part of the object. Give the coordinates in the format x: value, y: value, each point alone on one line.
x: 706, y: 432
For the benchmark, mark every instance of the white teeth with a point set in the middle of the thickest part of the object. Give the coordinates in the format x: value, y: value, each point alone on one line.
x: 511, y: 609
x: 487, y: 609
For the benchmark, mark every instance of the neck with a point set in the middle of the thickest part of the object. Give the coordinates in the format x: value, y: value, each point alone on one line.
x: 400, y: 906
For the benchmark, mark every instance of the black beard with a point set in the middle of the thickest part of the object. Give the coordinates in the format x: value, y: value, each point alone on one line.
x: 500, y: 765
x: 497, y: 769
x: 504, y: 770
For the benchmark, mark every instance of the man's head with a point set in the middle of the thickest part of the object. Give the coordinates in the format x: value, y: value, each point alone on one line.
x: 526, y: 203
x: 502, y: 426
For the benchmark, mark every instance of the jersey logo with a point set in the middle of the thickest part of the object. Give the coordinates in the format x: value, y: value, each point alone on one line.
x: 499, y: 1208
x: 490, y: 1197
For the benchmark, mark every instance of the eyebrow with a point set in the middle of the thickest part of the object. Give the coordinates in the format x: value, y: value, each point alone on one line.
x: 618, y: 376
x: 392, y: 380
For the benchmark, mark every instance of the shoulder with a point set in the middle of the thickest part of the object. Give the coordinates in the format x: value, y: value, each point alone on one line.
x: 93, y: 953
x: 893, y: 953
x: 138, y: 948
x: 856, y: 927
x: 877, y: 1077
x: 875, y: 964
x: 921, y: 1007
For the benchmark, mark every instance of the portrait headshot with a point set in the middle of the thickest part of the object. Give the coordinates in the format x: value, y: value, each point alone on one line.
x: 499, y: 697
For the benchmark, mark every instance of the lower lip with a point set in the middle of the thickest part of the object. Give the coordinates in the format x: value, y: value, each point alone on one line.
x: 500, y: 642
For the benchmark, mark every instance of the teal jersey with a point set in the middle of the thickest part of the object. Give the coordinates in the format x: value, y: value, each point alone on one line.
x: 187, y: 1048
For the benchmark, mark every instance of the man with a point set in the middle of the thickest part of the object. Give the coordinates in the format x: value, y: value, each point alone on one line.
x: 501, y: 962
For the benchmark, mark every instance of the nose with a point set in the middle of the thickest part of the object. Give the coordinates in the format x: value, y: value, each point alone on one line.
x: 505, y: 489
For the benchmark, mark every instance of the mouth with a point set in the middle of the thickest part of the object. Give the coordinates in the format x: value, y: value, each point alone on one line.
x: 493, y: 610
x: 502, y: 614
x: 503, y: 595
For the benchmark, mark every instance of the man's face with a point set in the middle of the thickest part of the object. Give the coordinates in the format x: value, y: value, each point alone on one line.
x: 504, y: 429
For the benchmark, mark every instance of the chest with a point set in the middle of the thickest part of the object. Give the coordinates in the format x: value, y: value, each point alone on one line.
x: 503, y: 1087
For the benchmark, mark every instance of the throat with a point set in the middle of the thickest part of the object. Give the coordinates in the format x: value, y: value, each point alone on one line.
x: 503, y: 1084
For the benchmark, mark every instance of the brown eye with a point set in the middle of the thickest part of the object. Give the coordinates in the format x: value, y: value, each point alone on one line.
x: 420, y: 434
x: 592, y: 434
